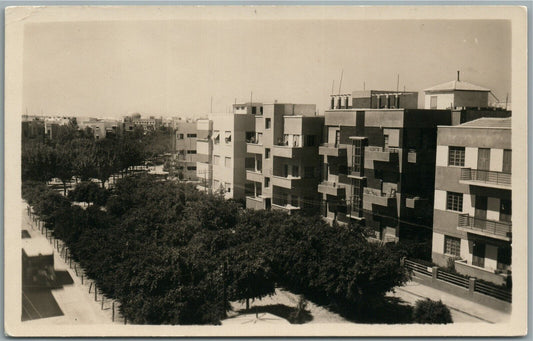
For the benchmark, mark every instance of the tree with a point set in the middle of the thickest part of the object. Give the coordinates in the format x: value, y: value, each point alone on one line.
x: 428, y: 311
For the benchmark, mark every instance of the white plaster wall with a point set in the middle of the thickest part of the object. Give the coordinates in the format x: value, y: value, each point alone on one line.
x: 471, y: 157
x: 468, y: 204
x: 469, y: 248
x: 331, y: 134
x: 440, y: 200
x: 464, y: 252
x: 438, y: 243
x: 394, y: 137
x: 442, y: 156
x: 491, y: 257
x: 444, y: 101
x: 496, y: 160
x: 493, y: 208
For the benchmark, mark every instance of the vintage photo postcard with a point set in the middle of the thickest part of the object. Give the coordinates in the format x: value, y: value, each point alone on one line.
x: 265, y: 171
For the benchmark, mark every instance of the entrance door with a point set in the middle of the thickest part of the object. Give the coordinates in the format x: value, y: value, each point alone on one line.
x: 478, y: 255
x: 483, y: 163
x: 480, y: 214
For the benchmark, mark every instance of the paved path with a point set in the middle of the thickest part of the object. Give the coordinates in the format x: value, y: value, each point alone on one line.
x: 462, y: 310
x: 77, y: 305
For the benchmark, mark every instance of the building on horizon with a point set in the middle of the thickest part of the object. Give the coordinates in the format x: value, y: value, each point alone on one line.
x: 186, y: 135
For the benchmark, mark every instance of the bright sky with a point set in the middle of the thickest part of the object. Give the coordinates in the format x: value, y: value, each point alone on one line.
x: 174, y: 67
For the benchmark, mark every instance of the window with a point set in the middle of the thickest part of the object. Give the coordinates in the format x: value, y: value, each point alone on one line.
x: 227, y: 136
x: 191, y: 152
x: 191, y: 168
x: 295, y: 171
x: 452, y: 246
x: 456, y: 156
x: 180, y: 136
x: 433, y: 102
x: 259, y: 138
x: 505, y: 210
x: 189, y: 135
x: 310, y: 140
x: 216, y: 159
x: 454, y: 201
x: 357, y: 156
x: 254, y: 110
x: 357, y: 196
x: 267, y: 182
x: 267, y: 153
x: 216, y: 137
x: 507, y: 161
x: 267, y: 123
x: 227, y: 162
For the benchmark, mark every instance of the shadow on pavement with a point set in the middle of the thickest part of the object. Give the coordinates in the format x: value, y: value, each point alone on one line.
x: 291, y: 314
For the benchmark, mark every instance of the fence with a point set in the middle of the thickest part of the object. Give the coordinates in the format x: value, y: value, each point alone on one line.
x: 106, y: 303
x: 470, y: 285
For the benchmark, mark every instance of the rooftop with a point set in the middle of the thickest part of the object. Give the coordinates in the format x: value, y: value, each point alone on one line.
x: 489, y: 122
x: 456, y: 85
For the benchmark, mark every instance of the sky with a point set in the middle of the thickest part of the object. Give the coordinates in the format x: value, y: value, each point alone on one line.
x: 178, y: 67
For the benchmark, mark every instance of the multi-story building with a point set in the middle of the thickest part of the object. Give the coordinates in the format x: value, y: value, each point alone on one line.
x: 204, y: 154
x: 378, y: 164
x: 472, y: 227
x: 228, y: 153
x: 284, y: 169
x: 186, y: 149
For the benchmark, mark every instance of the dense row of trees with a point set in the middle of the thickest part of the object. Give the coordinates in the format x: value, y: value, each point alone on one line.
x: 173, y: 255
x: 75, y: 153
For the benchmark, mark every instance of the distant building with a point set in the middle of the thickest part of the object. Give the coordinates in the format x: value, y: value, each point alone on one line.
x: 456, y: 94
x: 148, y: 124
x: 283, y: 171
x: 100, y: 128
x: 186, y: 135
x: 33, y: 129
x: 473, y: 211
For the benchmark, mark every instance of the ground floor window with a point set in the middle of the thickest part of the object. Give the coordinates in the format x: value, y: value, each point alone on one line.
x: 452, y: 246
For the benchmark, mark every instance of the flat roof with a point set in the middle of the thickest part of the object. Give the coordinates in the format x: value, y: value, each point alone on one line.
x: 485, y: 123
x: 36, y: 246
x: 456, y: 85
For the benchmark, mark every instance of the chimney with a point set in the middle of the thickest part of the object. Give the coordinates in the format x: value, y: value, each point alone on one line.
x: 458, y: 75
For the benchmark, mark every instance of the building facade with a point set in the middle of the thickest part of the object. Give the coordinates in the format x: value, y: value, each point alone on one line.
x: 283, y: 170
x: 378, y: 165
x: 204, y: 154
x: 472, y: 227
x: 223, y: 152
x: 186, y: 135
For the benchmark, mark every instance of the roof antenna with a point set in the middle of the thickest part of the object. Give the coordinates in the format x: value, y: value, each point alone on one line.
x: 332, y: 87
x: 340, y: 83
x: 364, y: 85
x: 458, y: 76
x: 398, y: 83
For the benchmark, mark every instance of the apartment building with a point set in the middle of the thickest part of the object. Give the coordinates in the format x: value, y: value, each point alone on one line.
x: 186, y: 135
x: 284, y: 169
x: 223, y: 152
x: 378, y: 164
x: 473, y: 209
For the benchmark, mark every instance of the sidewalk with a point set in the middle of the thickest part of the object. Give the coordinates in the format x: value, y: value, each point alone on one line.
x: 462, y: 310
x: 76, y: 303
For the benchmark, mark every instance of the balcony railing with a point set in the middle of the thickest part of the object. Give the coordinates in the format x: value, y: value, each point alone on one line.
x: 332, y: 149
x: 486, y: 177
x: 331, y: 188
x: 497, y: 229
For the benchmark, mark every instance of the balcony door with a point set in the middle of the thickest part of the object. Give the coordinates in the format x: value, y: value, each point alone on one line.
x: 337, y: 138
x: 478, y: 255
x: 480, y: 213
x: 483, y: 163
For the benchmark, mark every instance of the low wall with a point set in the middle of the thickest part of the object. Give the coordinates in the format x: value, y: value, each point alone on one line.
x: 468, y: 294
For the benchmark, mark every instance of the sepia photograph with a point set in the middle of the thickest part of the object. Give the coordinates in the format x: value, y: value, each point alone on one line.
x: 265, y: 171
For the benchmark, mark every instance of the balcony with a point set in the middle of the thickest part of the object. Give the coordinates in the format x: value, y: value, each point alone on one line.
x: 292, y: 152
x: 291, y: 182
x: 373, y: 153
x: 484, y: 227
x: 254, y: 175
x: 204, y: 158
x: 485, y: 178
x: 376, y: 197
x: 332, y: 149
x: 254, y: 148
x: 415, y: 202
x: 287, y: 208
x: 331, y: 188
x: 255, y: 203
